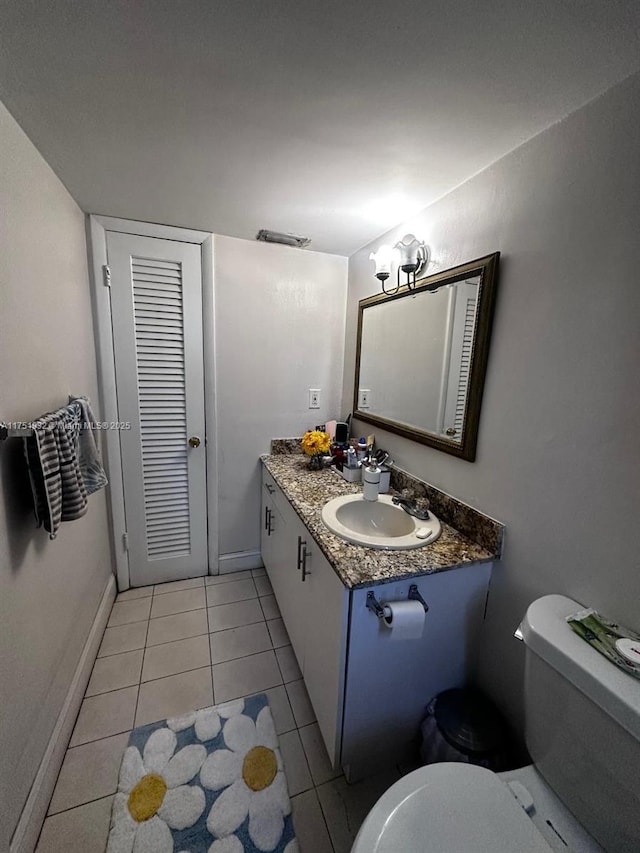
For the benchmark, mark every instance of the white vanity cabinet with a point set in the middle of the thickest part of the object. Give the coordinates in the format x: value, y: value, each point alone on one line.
x: 314, y: 606
x: 369, y: 691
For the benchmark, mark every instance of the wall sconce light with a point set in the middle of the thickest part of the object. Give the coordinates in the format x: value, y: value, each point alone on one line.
x: 412, y: 255
x: 382, y: 259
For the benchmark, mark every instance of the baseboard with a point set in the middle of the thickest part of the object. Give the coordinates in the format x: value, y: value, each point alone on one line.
x: 34, y: 812
x: 237, y: 561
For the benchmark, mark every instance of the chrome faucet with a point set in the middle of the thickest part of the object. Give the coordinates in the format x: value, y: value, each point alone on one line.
x: 412, y: 507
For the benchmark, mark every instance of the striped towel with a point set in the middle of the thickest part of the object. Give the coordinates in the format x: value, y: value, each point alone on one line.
x: 58, y: 488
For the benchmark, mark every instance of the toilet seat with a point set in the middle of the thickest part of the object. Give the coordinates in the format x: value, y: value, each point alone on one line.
x: 452, y: 807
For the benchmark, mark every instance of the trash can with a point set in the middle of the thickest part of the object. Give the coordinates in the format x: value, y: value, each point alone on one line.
x: 463, y: 725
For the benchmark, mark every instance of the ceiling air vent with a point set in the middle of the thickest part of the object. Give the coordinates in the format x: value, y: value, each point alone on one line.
x: 286, y: 239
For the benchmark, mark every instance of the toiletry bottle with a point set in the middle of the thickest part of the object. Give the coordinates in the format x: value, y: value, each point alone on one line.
x: 371, y: 482
x: 362, y: 449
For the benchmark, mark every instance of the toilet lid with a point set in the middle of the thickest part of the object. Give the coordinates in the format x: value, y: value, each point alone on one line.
x: 449, y: 807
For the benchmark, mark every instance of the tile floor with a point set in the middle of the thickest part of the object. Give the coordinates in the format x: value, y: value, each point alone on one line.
x: 175, y: 647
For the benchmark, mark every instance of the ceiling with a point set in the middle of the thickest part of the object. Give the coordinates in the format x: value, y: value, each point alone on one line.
x: 334, y: 120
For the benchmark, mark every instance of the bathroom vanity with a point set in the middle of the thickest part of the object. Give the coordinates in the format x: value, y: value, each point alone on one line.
x: 369, y: 690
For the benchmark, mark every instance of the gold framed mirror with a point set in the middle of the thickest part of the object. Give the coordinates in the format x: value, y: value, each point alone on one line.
x: 421, y: 357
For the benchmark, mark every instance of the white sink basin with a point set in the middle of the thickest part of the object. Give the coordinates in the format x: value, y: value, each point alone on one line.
x: 378, y: 524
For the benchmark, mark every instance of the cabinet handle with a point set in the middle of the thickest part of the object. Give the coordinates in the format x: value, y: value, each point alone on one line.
x: 268, y: 518
x: 270, y: 525
x: 305, y: 554
x: 300, y: 544
x: 271, y: 489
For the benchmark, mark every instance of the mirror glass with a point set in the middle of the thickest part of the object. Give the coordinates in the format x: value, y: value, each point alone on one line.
x: 422, y: 355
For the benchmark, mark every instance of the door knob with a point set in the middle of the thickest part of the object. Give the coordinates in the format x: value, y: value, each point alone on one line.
x: 194, y: 441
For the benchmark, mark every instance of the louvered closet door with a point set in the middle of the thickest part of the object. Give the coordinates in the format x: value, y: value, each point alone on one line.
x: 156, y: 304
x: 464, y: 325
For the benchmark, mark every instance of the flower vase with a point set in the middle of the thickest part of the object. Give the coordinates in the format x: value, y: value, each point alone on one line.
x: 315, y: 462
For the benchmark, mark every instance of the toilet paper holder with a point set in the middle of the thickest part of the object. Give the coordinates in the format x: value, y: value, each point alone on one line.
x: 374, y: 605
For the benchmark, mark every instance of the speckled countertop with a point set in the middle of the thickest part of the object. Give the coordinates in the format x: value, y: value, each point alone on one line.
x: 307, y: 491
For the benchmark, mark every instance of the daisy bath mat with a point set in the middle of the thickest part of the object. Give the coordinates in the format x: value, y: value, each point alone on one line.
x: 207, y: 782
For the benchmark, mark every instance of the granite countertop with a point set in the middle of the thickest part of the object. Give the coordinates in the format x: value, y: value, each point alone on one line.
x: 356, y: 566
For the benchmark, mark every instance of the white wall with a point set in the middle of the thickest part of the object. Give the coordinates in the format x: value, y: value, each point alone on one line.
x: 558, y: 451
x: 279, y: 326
x: 49, y: 590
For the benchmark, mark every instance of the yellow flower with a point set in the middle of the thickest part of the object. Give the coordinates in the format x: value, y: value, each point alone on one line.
x: 315, y: 441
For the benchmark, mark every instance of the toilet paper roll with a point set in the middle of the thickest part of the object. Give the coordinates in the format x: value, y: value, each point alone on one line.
x: 404, y: 619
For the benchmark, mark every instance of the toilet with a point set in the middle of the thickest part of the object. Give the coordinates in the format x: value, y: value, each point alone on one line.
x: 580, y: 795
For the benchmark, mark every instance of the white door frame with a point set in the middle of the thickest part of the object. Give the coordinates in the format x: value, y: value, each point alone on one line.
x: 97, y: 226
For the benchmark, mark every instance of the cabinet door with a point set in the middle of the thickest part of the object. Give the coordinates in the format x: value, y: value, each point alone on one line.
x: 326, y: 612
x: 280, y: 549
x: 277, y: 557
x: 274, y: 535
x: 290, y: 592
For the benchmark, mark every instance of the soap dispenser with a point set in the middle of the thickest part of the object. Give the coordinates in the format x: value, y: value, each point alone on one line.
x: 371, y: 480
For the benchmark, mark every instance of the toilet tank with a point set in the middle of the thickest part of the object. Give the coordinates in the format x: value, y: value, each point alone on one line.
x: 583, y: 725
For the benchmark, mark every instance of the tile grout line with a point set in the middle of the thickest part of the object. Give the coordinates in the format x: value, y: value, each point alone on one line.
x: 206, y: 601
x: 155, y: 645
x: 137, y: 622
x: 166, y: 615
x: 139, y: 683
x: 237, y: 601
x: 144, y: 654
x: 180, y: 672
x: 177, y: 640
x: 178, y: 612
x: 204, y: 585
x: 119, y: 600
x: 246, y: 624
x: 278, y: 662
x: 242, y: 657
x: 306, y: 760
x: 96, y: 739
x: 182, y: 589
x: 113, y: 690
x: 324, y: 818
x: 87, y: 803
x: 115, y: 655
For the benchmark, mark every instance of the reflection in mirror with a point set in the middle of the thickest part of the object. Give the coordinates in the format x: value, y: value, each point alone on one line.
x: 422, y: 357
x: 437, y: 335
